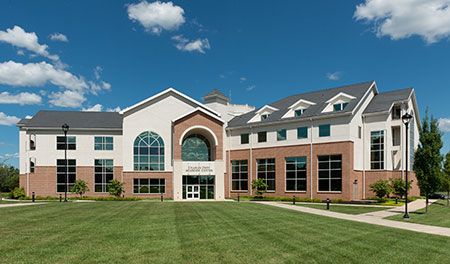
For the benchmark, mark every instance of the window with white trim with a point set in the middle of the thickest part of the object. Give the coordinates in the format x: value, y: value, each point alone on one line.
x: 296, y: 174
x: 330, y: 173
x: 103, y: 174
x: 377, y: 150
x: 266, y: 171
x: 155, y: 186
x: 61, y: 174
x: 103, y: 143
x: 239, y: 175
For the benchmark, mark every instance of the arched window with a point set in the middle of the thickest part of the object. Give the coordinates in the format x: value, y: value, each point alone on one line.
x: 196, y: 148
x: 148, y: 152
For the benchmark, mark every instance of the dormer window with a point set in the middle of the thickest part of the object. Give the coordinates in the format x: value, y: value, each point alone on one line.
x: 264, y: 117
x: 299, y: 112
x: 339, y: 107
x: 298, y: 108
x: 263, y: 113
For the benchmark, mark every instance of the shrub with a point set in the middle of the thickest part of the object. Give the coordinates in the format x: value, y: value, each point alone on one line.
x: 259, y: 186
x: 398, y: 186
x: 337, y: 201
x: 80, y: 187
x: 107, y: 198
x: 17, y: 193
x: 317, y: 200
x: 116, y: 188
x: 381, y: 188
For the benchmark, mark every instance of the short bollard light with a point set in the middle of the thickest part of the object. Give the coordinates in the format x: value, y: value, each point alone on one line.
x: 328, y: 203
x: 32, y: 197
x: 239, y: 198
x: 162, y: 197
x: 293, y: 200
x: 396, y: 200
x: 60, y: 198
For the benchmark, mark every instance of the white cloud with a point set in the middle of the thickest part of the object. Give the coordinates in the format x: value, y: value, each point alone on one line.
x: 97, y: 72
x: 221, y: 76
x: 21, y: 39
x: 185, y: 44
x: 242, y: 79
x: 429, y: 19
x: 38, y: 74
x: 251, y: 87
x: 95, y: 88
x: 8, y: 120
x: 59, y: 37
x: 21, y: 98
x: 334, y: 76
x: 444, y: 124
x: 67, y: 98
x: 157, y: 16
x: 8, y: 156
x: 117, y: 109
x: 95, y: 108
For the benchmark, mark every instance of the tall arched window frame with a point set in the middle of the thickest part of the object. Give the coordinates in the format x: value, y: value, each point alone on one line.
x: 148, y: 152
x: 196, y: 148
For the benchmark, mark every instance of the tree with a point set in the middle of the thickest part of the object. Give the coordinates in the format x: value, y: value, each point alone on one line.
x: 80, y: 187
x: 259, y: 186
x: 9, y: 177
x: 398, y: 186
x: 116, y: 188
x: 381, y: 188
x: 446, y: 178
x: 427, y: 158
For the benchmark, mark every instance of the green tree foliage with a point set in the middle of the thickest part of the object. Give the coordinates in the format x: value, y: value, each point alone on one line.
x: 80, y: 187
x: 17, y: 193
x: 259, y: 186
x: 427, y: 158
x: 9, y: 177
x: 446, y: 180
x: 398, y: 186
x: 116, y: 188
x: 381, y: 188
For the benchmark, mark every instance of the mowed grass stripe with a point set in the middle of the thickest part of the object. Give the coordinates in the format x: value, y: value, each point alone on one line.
x: 204, y: 232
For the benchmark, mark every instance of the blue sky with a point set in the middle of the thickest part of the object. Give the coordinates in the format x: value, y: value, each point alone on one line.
x: 74, y: 55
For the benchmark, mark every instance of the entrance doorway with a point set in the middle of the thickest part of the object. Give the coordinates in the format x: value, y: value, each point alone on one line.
x: 192, y: 192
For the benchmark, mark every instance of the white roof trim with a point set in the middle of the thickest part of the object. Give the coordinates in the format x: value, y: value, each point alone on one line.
x: 301, y: 101
x: 201, y: 110
x: 341, y: 94
x: 164, y: 92
x: 216, y: 142
x: 266, y: 107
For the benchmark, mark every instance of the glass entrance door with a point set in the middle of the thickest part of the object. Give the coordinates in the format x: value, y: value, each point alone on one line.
x: 192, y: 192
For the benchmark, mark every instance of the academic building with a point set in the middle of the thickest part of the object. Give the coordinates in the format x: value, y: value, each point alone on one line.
x: 330, y: 143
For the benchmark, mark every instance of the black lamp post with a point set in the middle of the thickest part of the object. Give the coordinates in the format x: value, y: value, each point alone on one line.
x: 65, y: 128
x: 406, y: 118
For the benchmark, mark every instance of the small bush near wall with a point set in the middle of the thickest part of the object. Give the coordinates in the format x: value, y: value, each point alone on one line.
x: 17, y: 193
x: 107, y: 198
x: 279, y: 198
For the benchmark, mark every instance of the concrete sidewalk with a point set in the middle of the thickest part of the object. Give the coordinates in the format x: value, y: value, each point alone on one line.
x: 412, y: 206
x: 364, y: 218
x: 18, y: 204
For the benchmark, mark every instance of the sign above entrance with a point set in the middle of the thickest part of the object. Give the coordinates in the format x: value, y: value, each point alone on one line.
x: 199, y: 168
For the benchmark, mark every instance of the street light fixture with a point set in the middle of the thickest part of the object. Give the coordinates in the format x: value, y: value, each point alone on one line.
x: 406, y: 118
x: 65, y: 128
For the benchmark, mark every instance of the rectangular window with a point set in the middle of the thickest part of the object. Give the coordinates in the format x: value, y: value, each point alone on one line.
x: 396, y: 136
x: 61, y: 174
x: 359, y: 132
x: 103, y: 174
x: 103, y: 143
x: 330, y: 173
x: 281, y: 135
x: 266, y: 171
x: 244, y: 138
x: 377, y: 150
x: 149, y: 186
x: 339, y: 107
x: 299, y: 112
x: 262, y: 136
x: 396, y: 112
x: 32, y: 161
x: 302, y: 132
x: 32, y: 142
x: 296, y: 174
x: 71, y: 142
x: 239, y: 175
x: 324, y: 131
x: 264, y: 117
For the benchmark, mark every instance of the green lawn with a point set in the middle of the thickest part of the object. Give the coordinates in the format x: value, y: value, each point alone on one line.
x: 201, y: 232
x: 345, y: 209
x: 438, y: 215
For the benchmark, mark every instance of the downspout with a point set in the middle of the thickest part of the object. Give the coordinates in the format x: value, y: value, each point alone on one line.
x: 364, y: 155
x: 251, y: 159
x: 311, y: 158
x: 229, y: 163
x: 27, y: 167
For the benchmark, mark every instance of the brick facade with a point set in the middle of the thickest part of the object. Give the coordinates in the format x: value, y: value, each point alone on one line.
x: 128, y: 178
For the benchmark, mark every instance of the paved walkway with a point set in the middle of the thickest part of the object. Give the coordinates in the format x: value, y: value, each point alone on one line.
x: 412, y: 206
x: 18, y: 204
x: 372, y: 218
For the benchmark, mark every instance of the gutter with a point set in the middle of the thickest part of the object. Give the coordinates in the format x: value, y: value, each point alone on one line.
x: 311, y: 158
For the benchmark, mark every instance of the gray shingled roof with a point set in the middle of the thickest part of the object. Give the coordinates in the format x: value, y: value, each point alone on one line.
x: 55, y: 119
x: 215, y: 92
x: 318, y: 97
x: 383, y: 101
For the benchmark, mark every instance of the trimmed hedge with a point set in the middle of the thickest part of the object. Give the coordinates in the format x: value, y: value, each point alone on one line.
x: 103, y: 198
x: 278, y: 199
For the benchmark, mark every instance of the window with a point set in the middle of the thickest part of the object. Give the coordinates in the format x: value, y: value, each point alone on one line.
x: 396, y: 112
x: 262, y: 136
x: 339, y: 107
x: 149, y: 186
x: 239, y: 175
x: 359, y: 132
x: 32, y: 142
x: 103, y: 174
x: 396, y: 136
x: 61, y: 174
x: 103, y: 143
x: 299, y: 112
x: 330, y: 173
x: 196, y: 148
x: 244, y: 138
x: 32, y: 161
x: 377, y: 150
x: 148, y: 152
x: 206, y: 184
x: 296, y: 174
x: 302, y: 132
x: 264, y: 117
x: 71, y: 142
x: 324, y: 130
x: 266, y: 171
x: 281, y: 135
